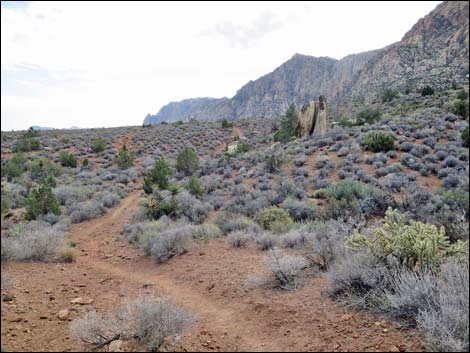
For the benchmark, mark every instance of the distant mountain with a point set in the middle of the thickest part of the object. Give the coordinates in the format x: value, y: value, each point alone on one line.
x: 41, y: 128
x: 434, y: 52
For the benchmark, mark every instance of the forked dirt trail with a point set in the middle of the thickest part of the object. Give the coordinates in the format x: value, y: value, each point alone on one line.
x: 209, y: 281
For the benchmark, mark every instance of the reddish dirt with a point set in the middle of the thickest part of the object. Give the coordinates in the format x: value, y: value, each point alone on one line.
x: 236, y: 131
x: 209, y: 281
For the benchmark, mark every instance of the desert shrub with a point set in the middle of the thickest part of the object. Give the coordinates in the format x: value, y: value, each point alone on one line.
x: 427, y: 91
x: 27, y: 144
x: 265, y: 240
x: 206, y: 231
x: 86, y: 163
x: 325, y: 242
x: 33, y: 243
x: 299, y: 210
x: 158, y: 205
x: 110, y: 199
x: 125, y: 158
x: 238, y: 238
x: 191, y: 208
x: 195, y: 187
x: 273, y: 162
x: 226, y: 124
x: 444, y: 320
x: 168, y: 243
x: 358, y: 280
x: 267, y: 217
x: 388, y: 95
x: 41, y: 201
x: 368, y: 115
x: 67, y: 160
x: 288, y: 125
x: 230, y: 223
x: 41, y: 168
x: 187, y: 161
x: 14, y: 167
x: 412, y: 245
x: 159, y: 176
x: 148, y: 319
x: 84, y: 211
x: 378, y: 142
x: 242, y: 147
x: 4, y: 202
x: 98, y: 145
x: 287, y: 272
x: 465, y: 138
x: 460, y: 107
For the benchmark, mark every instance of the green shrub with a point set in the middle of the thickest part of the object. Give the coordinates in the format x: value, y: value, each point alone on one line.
x: 27, y: 144
x: 187, y: 161
x: 159, y: 176
x: 125, y: 158
x: 368, y: 115
x: 427, y: 91
x: 274, y: 163
x: 49, y: 181
x: 86, y: 163
x: 195, y: 187
x: 226, y: 124
x: 378, y: 142
x: 460, y: 107
x: 30, y: 133
x: 242, y: 147
x: 462, y: 95
x: 346, y: 123
x: 98, y: 145
x: 67, y: 160
x: 41, y: 168
x: 157, y: 207
x: 389, y: 95
x: 41, y: 201
x: 272, y: 216
x: 14, y: 167
x: 4, y: 202
x: 288, y: 127
x: 412, y: 245
x: 465, y: 138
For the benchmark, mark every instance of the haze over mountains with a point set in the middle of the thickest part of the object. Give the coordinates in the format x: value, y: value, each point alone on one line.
x: 433, y: 52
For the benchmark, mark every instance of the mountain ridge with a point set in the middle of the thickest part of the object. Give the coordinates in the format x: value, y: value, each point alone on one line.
x: 433, y: 52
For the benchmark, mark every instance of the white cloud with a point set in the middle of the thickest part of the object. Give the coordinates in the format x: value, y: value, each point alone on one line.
x: 111, y: 63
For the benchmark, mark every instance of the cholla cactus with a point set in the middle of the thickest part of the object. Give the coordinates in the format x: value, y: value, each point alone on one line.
x: 414, y: 244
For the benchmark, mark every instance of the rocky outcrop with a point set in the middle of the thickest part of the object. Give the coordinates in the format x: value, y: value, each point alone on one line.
x: 313, y: 119
x: 434, y: 52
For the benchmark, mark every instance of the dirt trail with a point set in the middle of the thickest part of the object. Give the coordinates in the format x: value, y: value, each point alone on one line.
x: 209, y: 281
x: 236, y: 131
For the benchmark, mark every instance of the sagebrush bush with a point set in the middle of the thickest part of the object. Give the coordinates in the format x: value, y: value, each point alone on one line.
x: 33, y: 243
x: 148, y: 319
x: 164, y: 245
x: 287, y: 271
x: 268, y: 217
x: 299, y: 210
x: 238, y: 238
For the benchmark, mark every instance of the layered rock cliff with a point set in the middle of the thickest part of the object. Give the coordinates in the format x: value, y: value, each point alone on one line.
x: 434, y: 52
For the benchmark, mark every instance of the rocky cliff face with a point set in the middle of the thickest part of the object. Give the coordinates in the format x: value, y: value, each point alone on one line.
x: 434, y: 52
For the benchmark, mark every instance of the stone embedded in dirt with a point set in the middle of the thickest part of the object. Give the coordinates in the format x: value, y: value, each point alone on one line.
x: 394, y: 349
x: 8, y: 297
x: 63, y: 314
x: 15, y: 319
x: 43, y: 317
x: 82, y: 301
x: 115, y: 346
x: 346, y: 317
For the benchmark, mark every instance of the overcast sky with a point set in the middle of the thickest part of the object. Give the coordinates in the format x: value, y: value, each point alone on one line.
x: 109, y: 64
